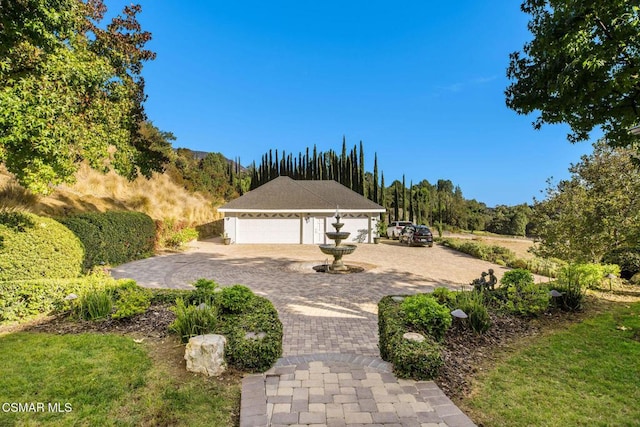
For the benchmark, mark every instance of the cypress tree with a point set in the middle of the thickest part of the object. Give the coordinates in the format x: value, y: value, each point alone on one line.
x: 396, y: 202
x: 404, y: 200
x: 362, y: 171
x: 411, y: 202
x: 376, y: 198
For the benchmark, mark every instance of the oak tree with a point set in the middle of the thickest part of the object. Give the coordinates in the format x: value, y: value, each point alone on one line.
x: 71, y: 91
x: 582, y: 67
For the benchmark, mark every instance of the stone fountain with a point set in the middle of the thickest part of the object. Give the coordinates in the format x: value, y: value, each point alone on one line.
x: 337, y: 250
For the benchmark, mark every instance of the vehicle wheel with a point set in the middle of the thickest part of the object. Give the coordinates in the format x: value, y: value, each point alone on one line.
x: 430, y: 245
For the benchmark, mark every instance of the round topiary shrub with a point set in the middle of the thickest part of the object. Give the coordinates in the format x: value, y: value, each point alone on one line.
x: 35, y: 247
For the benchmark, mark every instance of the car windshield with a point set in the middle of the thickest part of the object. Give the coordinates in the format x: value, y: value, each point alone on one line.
x: 423, y: 230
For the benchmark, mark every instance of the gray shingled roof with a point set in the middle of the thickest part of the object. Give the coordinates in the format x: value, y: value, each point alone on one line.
x: 284, y: 193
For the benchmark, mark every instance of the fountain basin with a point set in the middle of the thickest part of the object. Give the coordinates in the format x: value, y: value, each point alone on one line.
x: 337, y: 235
x: 337, y: 250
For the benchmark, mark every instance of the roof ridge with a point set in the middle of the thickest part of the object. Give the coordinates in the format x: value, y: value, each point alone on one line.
x: 299, y: 182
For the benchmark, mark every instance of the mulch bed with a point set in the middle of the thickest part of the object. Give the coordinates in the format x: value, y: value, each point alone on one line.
x: 465, y: 353
x: 154, y: 323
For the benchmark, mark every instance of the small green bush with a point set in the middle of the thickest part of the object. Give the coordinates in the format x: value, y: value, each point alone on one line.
x: 204, y: 293
x: 472, y: 303
x: 192, y: 320
x: 522, y: 295
x: 426, y: 315
x: 410, y: 359
x: 587, y: 275
x: 235, y: 299
x: 131, y: 299
x: 445, y: 296
x: 112, y: 237
x: 35, y: 247
x: 173, y: 234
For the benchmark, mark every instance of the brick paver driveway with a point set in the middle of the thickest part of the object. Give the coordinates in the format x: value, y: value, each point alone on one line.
x: 321, y: 313
x: 330, y: 373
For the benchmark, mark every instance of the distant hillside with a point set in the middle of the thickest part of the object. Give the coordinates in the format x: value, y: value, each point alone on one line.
x: 200, y: 155
x: 159, y: 197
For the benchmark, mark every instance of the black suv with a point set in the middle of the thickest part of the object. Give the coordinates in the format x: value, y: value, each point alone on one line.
x: 416, y: 235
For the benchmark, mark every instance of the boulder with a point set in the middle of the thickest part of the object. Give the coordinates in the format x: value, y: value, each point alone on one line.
x: 205, y: 354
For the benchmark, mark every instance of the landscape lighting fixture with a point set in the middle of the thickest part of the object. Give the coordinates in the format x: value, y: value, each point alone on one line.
x: 459, y: 314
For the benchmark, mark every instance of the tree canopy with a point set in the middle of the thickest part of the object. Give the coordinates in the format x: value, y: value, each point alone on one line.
x: 594, y: 212
x: 582, y: 67
x: 71, y: 90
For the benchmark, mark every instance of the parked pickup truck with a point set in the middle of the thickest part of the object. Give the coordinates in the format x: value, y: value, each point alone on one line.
x: 395, y: 228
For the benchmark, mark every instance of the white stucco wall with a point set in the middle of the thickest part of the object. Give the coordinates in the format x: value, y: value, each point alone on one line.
x: 305, y: 228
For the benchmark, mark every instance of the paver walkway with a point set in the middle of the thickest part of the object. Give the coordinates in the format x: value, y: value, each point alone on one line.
x: 330, y: 372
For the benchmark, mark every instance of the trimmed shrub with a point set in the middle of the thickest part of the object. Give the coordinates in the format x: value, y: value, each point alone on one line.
x: 253, y: 354
x: 410, y: 359
x: 35, y: 247
x: 426, y: 315
x: 249, y: 322
x: 235, y: 299
x: 131, y: 299
x: 522, y: 296
x: 417, y: 360
x: 113, y: 237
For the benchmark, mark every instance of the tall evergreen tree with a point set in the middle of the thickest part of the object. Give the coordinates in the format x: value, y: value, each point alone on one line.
x: 404, y: 200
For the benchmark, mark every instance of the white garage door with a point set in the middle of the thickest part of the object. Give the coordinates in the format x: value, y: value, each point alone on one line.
x: 268, y: 230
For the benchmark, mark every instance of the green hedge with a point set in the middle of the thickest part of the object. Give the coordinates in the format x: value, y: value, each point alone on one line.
x: 503, y: 256
x: 410, y: 359
x: 25, y: 298
x: 235, y: 312
x: 113, y: 237
x: 35, y: 247
x: 251, y: 354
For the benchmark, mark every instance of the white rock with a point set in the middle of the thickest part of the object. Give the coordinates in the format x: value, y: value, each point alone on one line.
x: 205, y: 354
x: 412, y: 336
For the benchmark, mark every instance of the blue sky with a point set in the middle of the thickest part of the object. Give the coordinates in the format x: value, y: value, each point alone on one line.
x: 421, y: 84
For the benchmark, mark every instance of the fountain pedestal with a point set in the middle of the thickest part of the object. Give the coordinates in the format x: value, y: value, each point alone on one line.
x: 337, y: 250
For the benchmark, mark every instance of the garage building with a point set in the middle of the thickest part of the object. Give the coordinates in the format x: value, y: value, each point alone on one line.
x: 296, y: 211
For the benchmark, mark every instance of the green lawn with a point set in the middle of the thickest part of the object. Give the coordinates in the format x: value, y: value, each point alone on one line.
x: 103, y: 380
x: 587, y: 374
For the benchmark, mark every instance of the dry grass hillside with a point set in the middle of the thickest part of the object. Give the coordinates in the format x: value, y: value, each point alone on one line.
x: 158, y: 197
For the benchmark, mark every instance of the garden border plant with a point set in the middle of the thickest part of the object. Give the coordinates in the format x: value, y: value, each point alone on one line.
x: 249, y: 322
x: 410, y: 359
